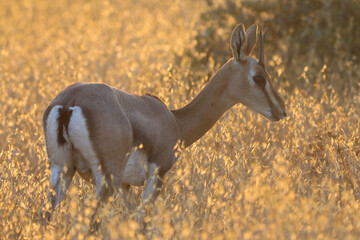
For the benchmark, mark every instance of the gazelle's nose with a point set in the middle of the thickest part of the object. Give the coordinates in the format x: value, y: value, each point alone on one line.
x: 284, y: 113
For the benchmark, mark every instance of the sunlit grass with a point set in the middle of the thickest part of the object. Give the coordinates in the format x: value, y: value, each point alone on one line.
x: 247, y: 178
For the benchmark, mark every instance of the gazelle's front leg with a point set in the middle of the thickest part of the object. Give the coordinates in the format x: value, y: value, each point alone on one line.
x: 155, y: 172
x: 127, y: 196
x: 153, y: 185
x: 151, y: 191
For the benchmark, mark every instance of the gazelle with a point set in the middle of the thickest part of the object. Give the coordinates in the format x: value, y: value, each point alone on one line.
x: 96, y: 130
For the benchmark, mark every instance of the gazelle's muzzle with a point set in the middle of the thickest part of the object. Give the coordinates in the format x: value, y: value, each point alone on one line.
x: 275, y: 118
x: 276, y: 103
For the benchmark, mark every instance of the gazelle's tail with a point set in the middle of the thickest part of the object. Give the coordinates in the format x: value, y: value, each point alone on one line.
x: 63, y: 125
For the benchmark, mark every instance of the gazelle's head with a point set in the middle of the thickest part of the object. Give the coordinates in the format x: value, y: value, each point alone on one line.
x: 249, y: 82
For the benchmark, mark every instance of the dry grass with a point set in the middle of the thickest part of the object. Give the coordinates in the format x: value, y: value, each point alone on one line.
x: 245, y: 179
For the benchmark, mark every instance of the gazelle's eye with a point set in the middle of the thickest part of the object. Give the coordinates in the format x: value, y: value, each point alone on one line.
x: 260, y: 80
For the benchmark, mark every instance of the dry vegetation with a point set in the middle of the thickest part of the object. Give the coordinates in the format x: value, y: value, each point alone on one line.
x: 247, y: 178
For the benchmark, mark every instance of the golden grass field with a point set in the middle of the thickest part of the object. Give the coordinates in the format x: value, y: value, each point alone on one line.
x: 247, y: 178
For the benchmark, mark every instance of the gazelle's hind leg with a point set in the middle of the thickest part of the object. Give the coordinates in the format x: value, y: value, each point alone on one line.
x: 60, y: 160
x: 79, y: 135
x: 60, y: 180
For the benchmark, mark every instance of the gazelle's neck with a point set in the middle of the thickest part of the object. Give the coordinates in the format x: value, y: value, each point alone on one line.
x: 196, y: 118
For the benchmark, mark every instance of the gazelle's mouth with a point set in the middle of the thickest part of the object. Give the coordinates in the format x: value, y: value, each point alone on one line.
x: 273, y: 117
x: 276, y: 118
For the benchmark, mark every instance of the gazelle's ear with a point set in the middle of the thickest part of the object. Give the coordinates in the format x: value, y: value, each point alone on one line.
x: 251, y: 34
x: 238, y: 43
x: 261, y: 49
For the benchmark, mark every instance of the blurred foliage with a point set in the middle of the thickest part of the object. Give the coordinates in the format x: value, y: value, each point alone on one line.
x: 310, y: 33
x: 247, y: 178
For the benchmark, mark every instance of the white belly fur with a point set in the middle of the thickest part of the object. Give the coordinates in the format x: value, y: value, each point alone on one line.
x: 136, y: 168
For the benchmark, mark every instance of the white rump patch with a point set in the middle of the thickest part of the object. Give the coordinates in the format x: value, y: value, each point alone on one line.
x: 58, y: 155
x: 136, y: 168
x: 79, y: 136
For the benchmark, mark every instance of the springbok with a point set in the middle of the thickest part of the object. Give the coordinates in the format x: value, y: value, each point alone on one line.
x: 115, y: 139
